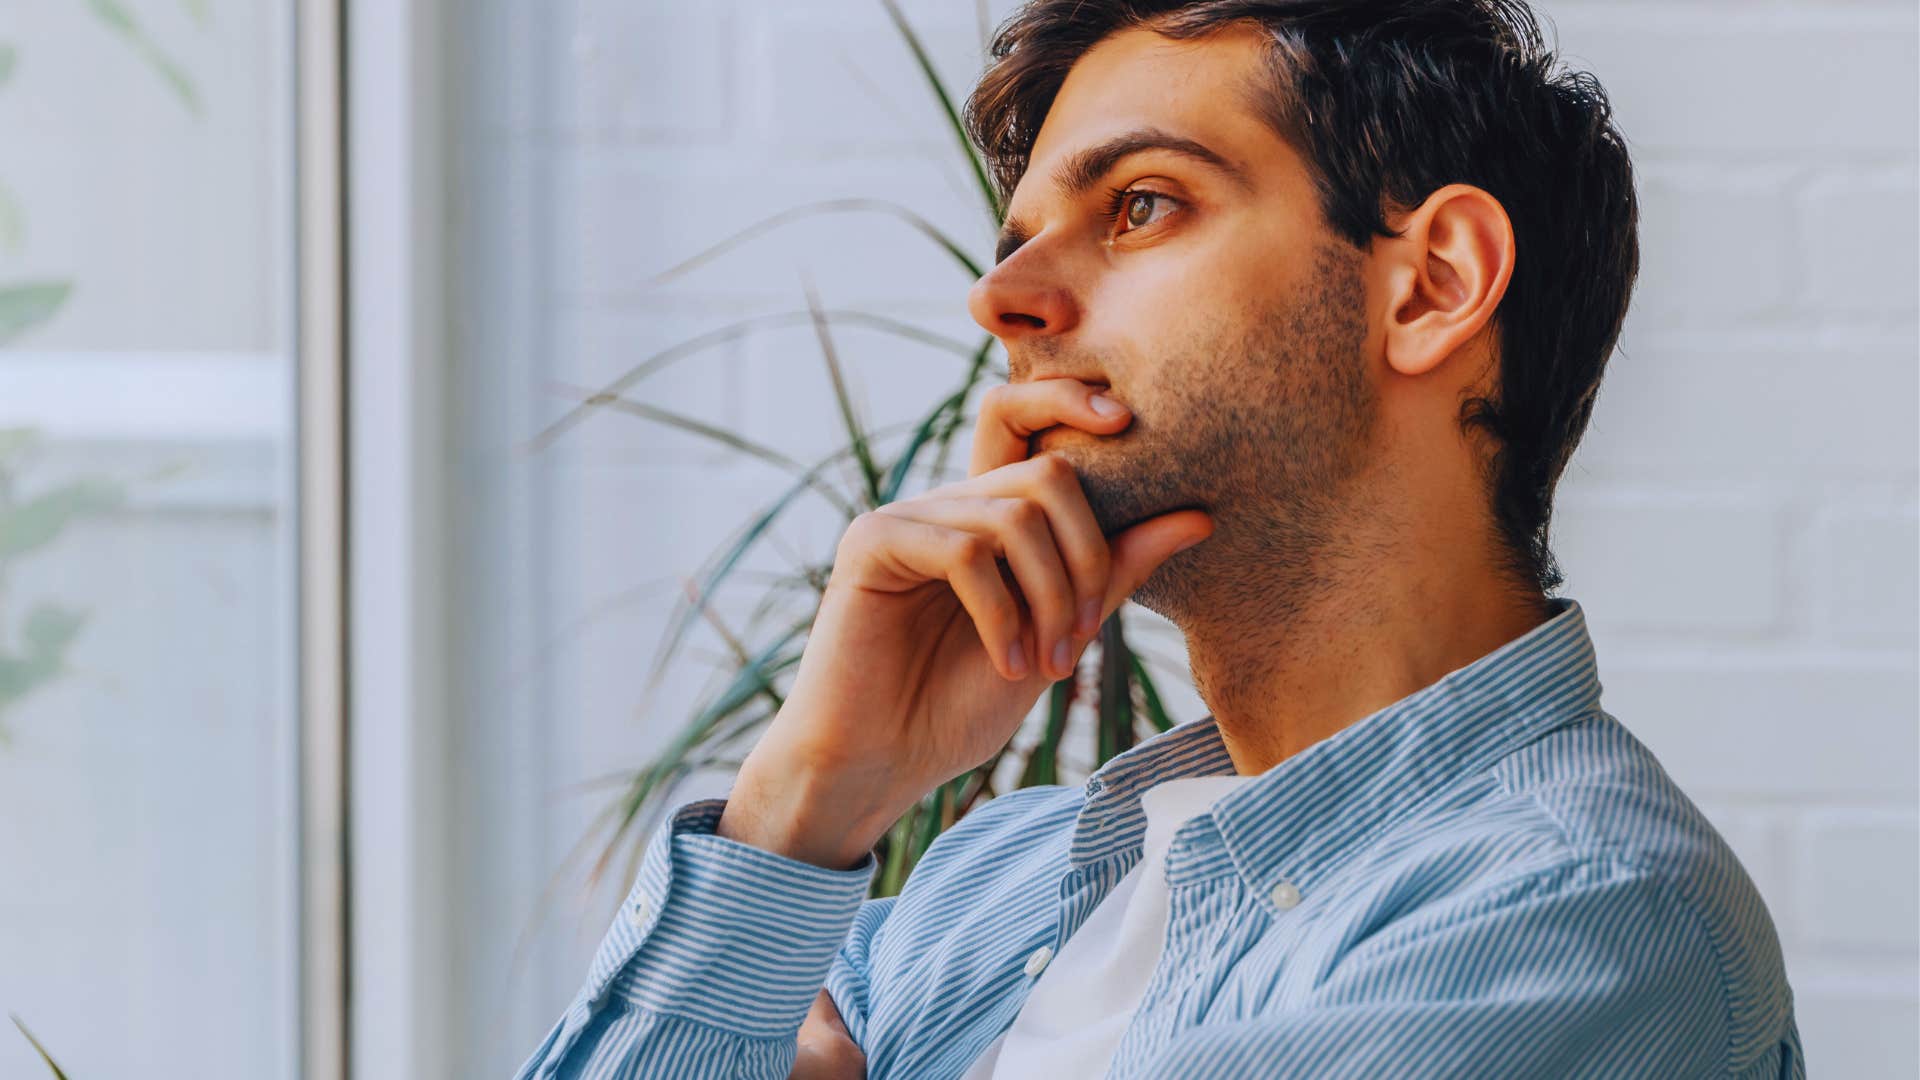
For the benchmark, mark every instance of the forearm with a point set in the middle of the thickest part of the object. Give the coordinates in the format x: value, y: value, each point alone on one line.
x: 712, y: 962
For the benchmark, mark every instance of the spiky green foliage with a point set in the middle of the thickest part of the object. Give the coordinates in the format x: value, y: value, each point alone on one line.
x: 1126, y: 705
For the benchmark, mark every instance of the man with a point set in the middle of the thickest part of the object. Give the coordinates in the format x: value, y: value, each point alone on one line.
x: 1306, y: 303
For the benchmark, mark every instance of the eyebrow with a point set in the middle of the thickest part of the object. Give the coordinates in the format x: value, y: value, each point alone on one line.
x: 1086, y: 167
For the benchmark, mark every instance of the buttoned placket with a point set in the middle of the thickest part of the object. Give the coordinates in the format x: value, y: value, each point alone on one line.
x: 1075, y: 880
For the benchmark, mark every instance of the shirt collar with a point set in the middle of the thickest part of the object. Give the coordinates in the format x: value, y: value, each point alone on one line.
x: 1299, y: 820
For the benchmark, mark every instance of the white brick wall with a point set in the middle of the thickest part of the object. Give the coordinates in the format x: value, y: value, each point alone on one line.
x: 1741, y: 523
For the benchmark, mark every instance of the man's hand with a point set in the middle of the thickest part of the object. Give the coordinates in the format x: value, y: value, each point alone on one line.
x: 945, y: 618
x: 827, y: 1052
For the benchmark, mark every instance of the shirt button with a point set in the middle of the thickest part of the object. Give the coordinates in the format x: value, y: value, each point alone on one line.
x: 1285, y: 895
x: 637, y: 911
x: 1037, y: 960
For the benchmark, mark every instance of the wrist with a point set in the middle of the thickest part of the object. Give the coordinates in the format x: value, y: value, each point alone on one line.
x: 802, y: 816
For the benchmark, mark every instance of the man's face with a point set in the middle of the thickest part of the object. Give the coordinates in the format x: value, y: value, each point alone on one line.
x: 1217, y: 306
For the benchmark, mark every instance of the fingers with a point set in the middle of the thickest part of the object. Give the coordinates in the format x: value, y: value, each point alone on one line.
x: 1022, y: 534
x: 1033, y: 512
x: 1011, y: 412
x: 905, y: 553
x: 1139, y: 551
x: 1050, y: 481
x: 1062, y: 620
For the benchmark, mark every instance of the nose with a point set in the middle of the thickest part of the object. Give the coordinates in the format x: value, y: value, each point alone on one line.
x: 1019, y: 300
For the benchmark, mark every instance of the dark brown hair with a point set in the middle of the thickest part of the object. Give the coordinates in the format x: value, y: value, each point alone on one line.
x: 1387, y: 101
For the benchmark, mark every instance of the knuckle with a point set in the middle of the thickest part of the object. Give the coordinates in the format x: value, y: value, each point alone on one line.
x: 859, y: 531
x: 1055, y: 471
x: 996, y: 398
x: 971, y: 548
x: 1020, y: 515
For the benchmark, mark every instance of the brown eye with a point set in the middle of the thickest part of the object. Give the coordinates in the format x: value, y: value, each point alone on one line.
x: 1142, y: 208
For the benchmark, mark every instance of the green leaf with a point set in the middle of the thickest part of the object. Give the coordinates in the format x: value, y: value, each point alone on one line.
x: 717, y: 570
x: 1156, y: 712
x: 116, y: 16
x: 922, y: 434
x: 672, y: 763
x: 738, y: 727
x: 939, y: 88
x: 34, y: 523
x: 41, y: 1050
x: 9, y: 59
x: 893, y: 867
x: 1043, y: 761
x: 23, y: 307
x: 945, y: 417
x: 811, y: 579
x: 914, y: 832
x: 724, y: 561
x: 951, y: 424
x: 826, y: 206
x: 869, y: 472
x: 731, y: 332
x: 1114, y: 728
x: 707, y: 431
x: 980, y: 781
x: 201, y: 11
x: 49, y: 632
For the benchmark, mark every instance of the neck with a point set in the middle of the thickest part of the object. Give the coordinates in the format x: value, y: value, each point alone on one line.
x: 1296, y: 650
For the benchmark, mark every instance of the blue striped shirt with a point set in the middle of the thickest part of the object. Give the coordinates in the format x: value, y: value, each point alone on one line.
x: 1490, y: 878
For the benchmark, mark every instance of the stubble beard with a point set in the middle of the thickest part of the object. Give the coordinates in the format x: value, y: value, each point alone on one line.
x: 1266, y: 434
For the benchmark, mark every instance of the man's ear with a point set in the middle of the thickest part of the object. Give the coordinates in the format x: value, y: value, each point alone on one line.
x: 1445, y: 275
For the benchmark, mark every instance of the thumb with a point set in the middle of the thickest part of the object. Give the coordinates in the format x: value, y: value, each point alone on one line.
x: 1136, y: 552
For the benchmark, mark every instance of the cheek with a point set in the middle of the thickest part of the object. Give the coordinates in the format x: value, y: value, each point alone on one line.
x: 1194, y: 364
x: 1178, y: 321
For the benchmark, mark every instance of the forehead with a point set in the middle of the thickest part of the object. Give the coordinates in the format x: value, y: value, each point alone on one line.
x: 1200, y: 88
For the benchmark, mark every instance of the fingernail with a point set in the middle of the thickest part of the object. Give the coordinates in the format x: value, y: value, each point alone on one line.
x: 1089, y: 618
x: 1017, y: 659
x: 1106, y: 406
x: 1062, y: 657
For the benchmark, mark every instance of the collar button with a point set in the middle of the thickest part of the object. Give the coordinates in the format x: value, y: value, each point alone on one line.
x: 1285, y: 895
x: 1037, y: 961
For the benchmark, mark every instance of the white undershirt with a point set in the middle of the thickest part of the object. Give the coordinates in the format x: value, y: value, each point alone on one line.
x: 1074, y: 1017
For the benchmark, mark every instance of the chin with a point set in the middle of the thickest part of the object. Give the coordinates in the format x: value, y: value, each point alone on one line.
x: 1169, y: 591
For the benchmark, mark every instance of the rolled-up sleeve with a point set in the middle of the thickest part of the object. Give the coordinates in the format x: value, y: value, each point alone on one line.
x: 711, y: 963
x: 1582, y: 969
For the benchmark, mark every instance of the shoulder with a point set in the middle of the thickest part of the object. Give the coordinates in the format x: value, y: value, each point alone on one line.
x: 1576, y: 855
x: 1616, y: 810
